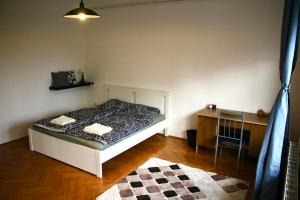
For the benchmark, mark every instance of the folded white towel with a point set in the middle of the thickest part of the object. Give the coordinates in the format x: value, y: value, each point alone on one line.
x: 97, y: 129
x: 62, y: 120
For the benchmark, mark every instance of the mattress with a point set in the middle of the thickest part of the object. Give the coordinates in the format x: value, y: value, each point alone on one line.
x: 92, y: 144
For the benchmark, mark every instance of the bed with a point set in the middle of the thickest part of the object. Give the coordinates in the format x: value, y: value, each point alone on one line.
x: 90, y: 155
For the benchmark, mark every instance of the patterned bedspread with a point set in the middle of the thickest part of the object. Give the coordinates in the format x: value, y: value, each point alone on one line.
x: 124, y: 118
x: 82, y: 117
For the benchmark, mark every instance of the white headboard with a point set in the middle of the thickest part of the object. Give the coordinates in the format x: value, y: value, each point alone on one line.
x: 155, y: 98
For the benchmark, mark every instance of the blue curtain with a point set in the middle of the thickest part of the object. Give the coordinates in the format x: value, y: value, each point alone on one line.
x: 272, y: 159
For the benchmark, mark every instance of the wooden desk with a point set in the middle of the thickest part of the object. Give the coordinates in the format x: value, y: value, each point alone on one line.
x: 206, y: 131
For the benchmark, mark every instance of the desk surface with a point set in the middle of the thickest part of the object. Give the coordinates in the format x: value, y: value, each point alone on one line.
x: 251, y: 118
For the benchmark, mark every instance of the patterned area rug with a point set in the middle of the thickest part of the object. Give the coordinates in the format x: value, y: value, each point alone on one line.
x: 159, y: 179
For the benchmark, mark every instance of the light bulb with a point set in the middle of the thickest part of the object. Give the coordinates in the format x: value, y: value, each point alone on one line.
x: 82, y: 16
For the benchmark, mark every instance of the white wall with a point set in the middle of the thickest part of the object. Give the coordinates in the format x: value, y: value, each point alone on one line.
x: 208, y: 51
x: 36, y: 40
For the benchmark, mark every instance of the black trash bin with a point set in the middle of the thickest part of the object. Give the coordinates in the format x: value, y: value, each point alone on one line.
x: 191, y: 136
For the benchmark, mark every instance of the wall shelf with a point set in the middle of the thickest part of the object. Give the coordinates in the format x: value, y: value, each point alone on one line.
x: 72, y: 86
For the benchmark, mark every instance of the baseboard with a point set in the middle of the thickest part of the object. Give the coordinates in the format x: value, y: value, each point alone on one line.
x: 8, y: 139
x: 176, y: 137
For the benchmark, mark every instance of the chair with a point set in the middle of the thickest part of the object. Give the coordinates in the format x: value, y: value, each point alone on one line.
x: 230, y: 133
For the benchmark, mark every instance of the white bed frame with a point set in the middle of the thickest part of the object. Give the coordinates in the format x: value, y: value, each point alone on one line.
x: 89, y: 159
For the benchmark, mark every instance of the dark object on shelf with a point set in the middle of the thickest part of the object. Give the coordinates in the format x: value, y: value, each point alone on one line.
x: 192, y: 136
x: 82, y: 81
x: 63, y: 78
x: 81, y: 84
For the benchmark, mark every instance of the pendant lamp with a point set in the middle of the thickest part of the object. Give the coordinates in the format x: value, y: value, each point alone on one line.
x: 81, y: 13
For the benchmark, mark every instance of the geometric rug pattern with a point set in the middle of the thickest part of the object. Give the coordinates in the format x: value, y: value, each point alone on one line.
x: 159, y: 183
x: 159, y: 179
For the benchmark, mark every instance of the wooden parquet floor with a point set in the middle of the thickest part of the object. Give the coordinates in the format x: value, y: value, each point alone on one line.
x: 30, y: 175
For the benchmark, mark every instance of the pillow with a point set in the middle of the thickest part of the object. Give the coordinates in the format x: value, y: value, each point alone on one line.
x: 135, y: 111
x: 114, y: 105
x: 63, y: 79
x: 141, y: 112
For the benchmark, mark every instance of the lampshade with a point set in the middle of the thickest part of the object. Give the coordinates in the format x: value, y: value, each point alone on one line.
x: 81, y: 13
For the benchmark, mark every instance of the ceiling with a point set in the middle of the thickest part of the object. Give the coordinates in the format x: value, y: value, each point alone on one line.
x: 101, y: 4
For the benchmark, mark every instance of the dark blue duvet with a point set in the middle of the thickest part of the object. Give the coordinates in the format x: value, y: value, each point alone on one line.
x: 124, y: 118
